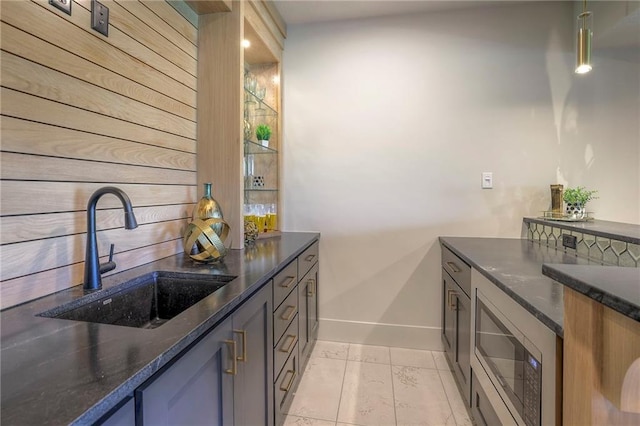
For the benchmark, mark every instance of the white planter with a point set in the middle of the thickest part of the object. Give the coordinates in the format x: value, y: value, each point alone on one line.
x: 264, y: 143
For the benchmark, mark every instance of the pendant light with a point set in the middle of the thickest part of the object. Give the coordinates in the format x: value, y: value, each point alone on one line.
x: 583, y: 58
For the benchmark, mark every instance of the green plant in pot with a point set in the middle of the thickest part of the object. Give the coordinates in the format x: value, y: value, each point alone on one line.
x: 263, y: 133
x: 577, y: 199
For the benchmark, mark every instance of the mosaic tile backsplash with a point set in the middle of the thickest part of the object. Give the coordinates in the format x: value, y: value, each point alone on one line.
x: 609, y: 251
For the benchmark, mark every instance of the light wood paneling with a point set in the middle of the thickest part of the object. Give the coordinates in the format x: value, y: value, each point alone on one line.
x: 273, y: 42
x: 24, y: 228
x: 29, y: 77
x: 17, y: 104
x: 600, y: 348
x: 26, y: 137
x: 265, y: 14
x: 33, y: 286
x: 81, y: 111
x: 220, y: 113
x: 156, y: 23
x: 170, y: 16
x: 116, y: 53
x: 49, y: 252
x: 202, y: 7
x: 20, y: 197
x: 36, y: 50
x: 275, y: 16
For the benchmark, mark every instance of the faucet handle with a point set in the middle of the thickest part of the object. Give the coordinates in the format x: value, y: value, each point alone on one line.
x: 110, y: 265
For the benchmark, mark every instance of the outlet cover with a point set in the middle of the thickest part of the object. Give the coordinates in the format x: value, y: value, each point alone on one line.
x: 100, y: 17
x: 63, y: 5
x: 569, y: 241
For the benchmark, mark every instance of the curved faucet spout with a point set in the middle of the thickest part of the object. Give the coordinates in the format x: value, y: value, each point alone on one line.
x: 92, y: 277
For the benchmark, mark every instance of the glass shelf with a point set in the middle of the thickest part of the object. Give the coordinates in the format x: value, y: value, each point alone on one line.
x: 259, y: 106
x: 251, y: 147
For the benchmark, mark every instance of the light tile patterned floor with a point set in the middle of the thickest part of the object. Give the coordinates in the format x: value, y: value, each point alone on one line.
x: 348, y: 384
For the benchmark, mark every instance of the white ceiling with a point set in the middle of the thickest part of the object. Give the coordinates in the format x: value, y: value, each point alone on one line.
x: 306, y: 11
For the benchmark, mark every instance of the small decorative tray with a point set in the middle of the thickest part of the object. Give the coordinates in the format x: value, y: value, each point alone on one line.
x: 563, y: 217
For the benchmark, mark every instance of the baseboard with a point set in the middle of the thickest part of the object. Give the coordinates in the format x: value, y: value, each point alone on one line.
x: 368, y: 333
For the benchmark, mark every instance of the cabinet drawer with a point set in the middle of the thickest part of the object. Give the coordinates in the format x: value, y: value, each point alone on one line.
x: 284, y: 315
x: 285, y: 385
x: 285, y: 346
x: 284, y: 282
x: 458, y: 269
x: 307, y: 259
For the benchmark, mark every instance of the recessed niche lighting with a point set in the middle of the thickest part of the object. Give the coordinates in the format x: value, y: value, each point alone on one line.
x: 276, y: 79
x: 246, y: 43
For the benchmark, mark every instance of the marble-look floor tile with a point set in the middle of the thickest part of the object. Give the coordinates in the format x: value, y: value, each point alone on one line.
x: 457, y: 403
x: 420, y: 398
x: 367, y: 395
x: 334, y: 350
x: 441, y: 360
x: 368, y: 353
x: 305, y: 421
x: 318, y: 394
x: 412, y: 358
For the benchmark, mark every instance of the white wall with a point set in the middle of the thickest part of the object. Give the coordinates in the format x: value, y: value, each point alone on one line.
x: 389, y: 122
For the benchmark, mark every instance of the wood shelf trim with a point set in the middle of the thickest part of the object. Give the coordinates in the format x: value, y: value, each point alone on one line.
x: 203, y: 7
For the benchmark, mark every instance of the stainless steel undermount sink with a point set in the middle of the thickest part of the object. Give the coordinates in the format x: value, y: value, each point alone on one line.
x: 148, y: 301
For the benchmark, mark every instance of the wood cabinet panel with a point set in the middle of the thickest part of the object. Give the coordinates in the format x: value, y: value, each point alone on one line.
x: 203, y: 7
x: 27, y: 107
x: 118, y: 52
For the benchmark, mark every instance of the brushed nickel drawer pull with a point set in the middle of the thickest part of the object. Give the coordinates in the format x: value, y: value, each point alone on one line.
x: 243, y: 357
x: 287, y: 316
x: 450, y: 293
x: 234, y: 363
x: 292, y: 343
x: 454, y: 268
x: 293, y: 377
x: 309, y: 258
x: 287, y: 282
x: 311, y: 287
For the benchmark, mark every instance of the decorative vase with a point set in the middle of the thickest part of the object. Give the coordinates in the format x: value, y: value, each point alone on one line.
x: 576, y: 210
x: 205, y: 237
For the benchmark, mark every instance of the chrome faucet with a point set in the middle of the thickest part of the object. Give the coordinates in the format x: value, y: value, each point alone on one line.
x: 92, y: 268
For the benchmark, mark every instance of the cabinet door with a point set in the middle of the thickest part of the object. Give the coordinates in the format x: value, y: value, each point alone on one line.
x: 462, y: 366
x: 253, y: 385
x: 448, y: 316
x: 123, y: 416
x: 196, y: 390
x: 308, y: 289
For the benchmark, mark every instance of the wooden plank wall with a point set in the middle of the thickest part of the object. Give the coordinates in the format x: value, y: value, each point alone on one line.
x: 80, y: 111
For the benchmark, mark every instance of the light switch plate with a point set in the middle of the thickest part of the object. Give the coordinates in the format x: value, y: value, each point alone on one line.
x: 100, y: 17
x: 63, y: 5
x: 487, y: 180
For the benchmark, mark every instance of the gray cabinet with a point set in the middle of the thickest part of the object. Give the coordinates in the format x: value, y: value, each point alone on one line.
x: 308, y: 302
x: 456, y: 318
x: 197, y: 389
x: 253, y: 384
x: 225, y: 379
x: 124, y: 415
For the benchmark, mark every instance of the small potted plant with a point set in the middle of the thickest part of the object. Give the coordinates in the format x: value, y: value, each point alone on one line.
x: 263, y: 133
x: 576, y: 199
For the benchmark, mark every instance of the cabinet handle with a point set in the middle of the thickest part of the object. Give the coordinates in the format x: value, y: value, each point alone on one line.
x: 287, y: 282
x: 293, y: 377
x: 311, y: 287
x: 309, y: 258
x: 454, y: 268
x: 291, y: 345
x: 243, y: 357
x: 450, y: 295
x: 234, y: 363
x: 291, y: 312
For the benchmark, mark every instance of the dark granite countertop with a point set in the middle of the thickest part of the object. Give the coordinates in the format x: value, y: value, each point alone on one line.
x: 615, y: 287
x: 627, y: 232
x: 515, y: 266
x: 60, y: 371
